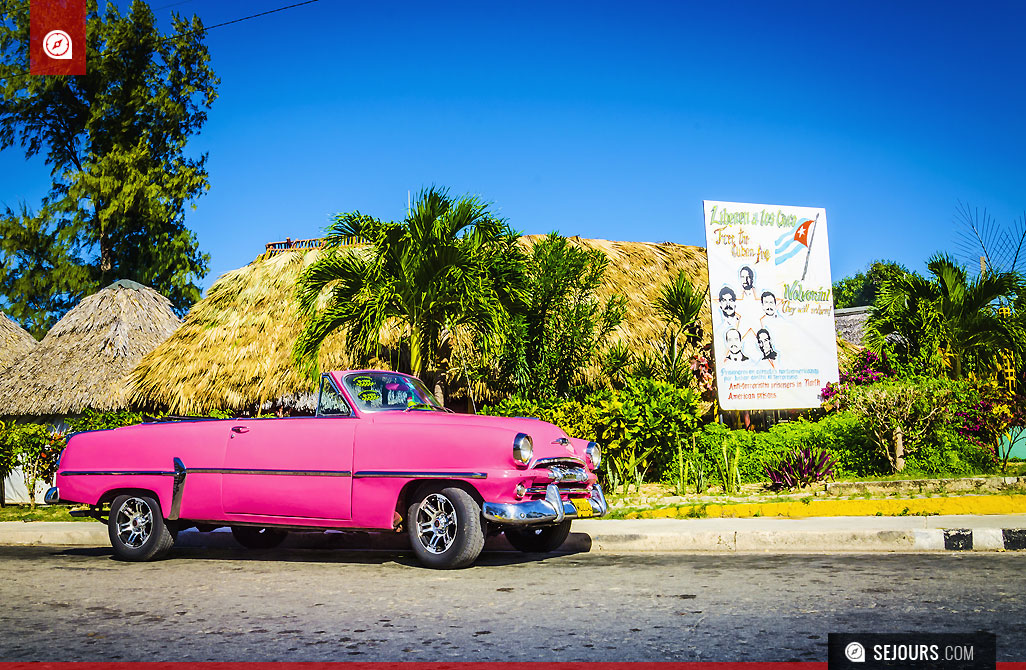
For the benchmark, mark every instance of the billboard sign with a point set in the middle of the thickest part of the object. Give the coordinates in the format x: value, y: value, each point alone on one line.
x: 772, y: 304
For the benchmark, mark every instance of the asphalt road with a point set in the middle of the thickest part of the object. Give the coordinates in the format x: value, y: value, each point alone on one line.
x: 63, y: 604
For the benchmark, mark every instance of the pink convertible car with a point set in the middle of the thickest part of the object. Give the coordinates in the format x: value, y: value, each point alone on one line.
x: 381, y: 454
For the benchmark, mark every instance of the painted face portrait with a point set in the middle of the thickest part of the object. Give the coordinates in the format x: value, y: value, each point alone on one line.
x: 747, y: 278
x: 765, y: 344
x: 728, y: 302
x: 769, y: 304
x: 733, y: 338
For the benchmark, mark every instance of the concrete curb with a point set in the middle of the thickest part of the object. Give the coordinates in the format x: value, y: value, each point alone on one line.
x: 780, y: 536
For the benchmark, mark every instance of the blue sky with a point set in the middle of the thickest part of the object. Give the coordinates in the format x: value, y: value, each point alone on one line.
x: 607, y: 120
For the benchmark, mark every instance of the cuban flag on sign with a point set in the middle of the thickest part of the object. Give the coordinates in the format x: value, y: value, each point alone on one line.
x: 793, y: 241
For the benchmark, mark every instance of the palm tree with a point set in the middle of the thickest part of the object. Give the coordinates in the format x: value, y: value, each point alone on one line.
x: 448, y: 267
x: 679, y: 304
x: 948, y: 320
x: 561, y: 324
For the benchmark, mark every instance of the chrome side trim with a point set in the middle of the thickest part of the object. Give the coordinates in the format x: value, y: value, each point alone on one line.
x: 234, y: 520
x: 177, y: 489
x: 116, y: 473
x: 364, y: 474
x: 224, y: 471
x: 287, y: 473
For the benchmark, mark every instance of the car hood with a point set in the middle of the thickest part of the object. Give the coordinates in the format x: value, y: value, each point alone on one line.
x: 549, y: 440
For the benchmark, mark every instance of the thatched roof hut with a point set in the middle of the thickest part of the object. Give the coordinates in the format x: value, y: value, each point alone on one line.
x: 638, y: 271
x: 15, y: 342
x: 82, y: 362
x: 234, y: 350
x: 851, y: 323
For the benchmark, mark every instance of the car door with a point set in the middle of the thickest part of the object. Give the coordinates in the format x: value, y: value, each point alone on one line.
x: 297, y: 467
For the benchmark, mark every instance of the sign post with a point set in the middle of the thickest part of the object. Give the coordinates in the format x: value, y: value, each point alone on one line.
x: 774, y: 339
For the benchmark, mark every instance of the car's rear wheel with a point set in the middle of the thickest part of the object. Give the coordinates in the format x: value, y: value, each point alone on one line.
x: 252, y: 537
x: 137, y: 530
x: 444, y: 525
x: 539, y: 540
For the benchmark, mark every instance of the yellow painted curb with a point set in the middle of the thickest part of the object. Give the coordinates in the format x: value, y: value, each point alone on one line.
x: 991, y: 504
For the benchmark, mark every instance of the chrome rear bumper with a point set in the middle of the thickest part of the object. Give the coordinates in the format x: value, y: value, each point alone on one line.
x: 52, y: 497
x: 553, y: 509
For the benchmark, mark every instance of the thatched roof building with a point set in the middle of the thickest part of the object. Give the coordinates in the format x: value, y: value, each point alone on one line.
x: 82, y: 362
x: 234, y: 350
x: 15, y: 342
x: 638, y: 271
x: 851, y: 323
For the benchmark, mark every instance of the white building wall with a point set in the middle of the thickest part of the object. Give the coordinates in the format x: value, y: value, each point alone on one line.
x: 15, y: 491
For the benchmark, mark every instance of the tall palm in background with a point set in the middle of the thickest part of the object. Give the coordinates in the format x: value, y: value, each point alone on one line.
x: 449, y: 266
x: 679, y: 305
x: 560, y: 325
x: 947, y: 321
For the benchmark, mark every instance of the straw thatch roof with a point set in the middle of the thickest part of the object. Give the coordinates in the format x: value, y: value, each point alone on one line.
x: 15, y: 342
x: 234, y: 350
x: 82, y: 362
x: 638, y: 271
x: 851, y: 323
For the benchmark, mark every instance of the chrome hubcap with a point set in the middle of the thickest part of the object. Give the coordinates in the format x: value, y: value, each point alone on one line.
x: 135, y: 522
x: 436, y: 523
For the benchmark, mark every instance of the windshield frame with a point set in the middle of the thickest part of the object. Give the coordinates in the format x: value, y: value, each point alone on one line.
x: 350, y: 391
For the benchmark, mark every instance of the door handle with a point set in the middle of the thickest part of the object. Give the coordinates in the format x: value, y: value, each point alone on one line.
x: 240, y: 429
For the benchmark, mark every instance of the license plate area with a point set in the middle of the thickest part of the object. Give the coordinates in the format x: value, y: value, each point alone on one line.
x: 583, y: 507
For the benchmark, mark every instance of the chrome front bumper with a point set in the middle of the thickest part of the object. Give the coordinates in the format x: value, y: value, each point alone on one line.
x: 52, y: 497
x: 553, y: 509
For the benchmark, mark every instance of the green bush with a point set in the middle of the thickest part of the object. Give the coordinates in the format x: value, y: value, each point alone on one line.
x: 840, y: 433
x: 640, y: 426
x: 34, y: 448
x: 946, y: 452
x: 93, y: 420
x: 941, y: 452
x: 8, y: 453
x: 577, y: 419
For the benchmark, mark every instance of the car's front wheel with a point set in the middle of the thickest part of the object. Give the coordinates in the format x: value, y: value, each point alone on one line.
x: 444, y: 524
x: 252, y: 537
x: 137, y: 530
x: 539, y: 540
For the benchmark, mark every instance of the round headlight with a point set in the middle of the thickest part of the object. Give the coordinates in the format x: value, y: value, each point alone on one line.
x: 523, y: 448
x: 594, y: 454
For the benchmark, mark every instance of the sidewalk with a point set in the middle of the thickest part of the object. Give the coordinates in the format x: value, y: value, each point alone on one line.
x: 721, y: 535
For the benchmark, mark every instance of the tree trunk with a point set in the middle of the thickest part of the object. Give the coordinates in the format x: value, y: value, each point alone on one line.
x: 416, y: 362
x: 440, y: 394
x: 899, y: 450
x: 106, y: 250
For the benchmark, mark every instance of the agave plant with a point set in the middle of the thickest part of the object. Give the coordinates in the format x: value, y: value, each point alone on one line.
x: 800, y: 468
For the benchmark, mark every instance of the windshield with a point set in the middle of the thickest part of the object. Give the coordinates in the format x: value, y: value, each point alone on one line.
x: 382, y: 391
